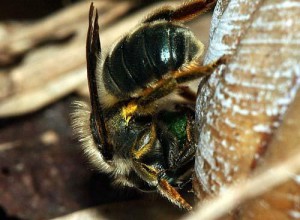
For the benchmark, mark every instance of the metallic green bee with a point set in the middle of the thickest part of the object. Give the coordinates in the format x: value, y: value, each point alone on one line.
x: 132, y: 130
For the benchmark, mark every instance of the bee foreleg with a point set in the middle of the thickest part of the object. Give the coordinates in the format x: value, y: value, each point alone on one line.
x: 185, y: 12
x: 184, y: 156
x: 188, y: 153
x: 141, y: 149
x: 190, y: 126
x: 170, y: 145
x: 171, y: 193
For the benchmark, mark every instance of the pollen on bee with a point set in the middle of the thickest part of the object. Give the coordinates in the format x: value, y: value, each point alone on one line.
x: 127, y: 111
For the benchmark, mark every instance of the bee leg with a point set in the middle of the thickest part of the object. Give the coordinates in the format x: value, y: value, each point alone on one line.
x: 166, y: 86
x: 186, y: 93
x: 153, y: 174
x: 190, y: 126
x: 194, y: 70
x: 172, y: 194
x: 139, y: 105
x: 185, y: 157
x: 179, y: 159
x: 171, y: 149
x: 183, y: 13
x: 168, y: 140
x: 163, y: 186
x: 139, y: 150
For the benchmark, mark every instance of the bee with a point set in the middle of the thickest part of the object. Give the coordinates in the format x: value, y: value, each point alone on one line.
x: 132, y: 131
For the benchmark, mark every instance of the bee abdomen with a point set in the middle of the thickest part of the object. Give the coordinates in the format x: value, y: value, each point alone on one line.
x: 150, y: 52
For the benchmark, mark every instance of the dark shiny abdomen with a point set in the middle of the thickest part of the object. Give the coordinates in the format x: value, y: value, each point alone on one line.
x: 146, y: 55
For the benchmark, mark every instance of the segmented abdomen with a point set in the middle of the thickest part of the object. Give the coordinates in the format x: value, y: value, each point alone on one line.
x: 146, y: 55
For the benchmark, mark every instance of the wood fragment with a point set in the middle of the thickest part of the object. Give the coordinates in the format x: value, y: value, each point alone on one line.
x: 245, y: 101
x: 244, y: 190
x: 35, y: 99
x: 276, y: 180
x: 9, y: 145
x: 59, y: 25
x: 43, y: 64
x: 139, y: 209
x: 20, y: 85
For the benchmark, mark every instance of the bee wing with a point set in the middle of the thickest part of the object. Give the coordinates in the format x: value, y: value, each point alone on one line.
x: 93, y: 52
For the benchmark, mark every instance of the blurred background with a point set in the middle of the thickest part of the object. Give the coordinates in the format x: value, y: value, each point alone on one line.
x: 43, y: 174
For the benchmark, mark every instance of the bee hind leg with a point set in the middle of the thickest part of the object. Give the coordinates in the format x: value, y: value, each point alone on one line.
x: 187, y: 93
x: 195, y: 70
x: 187, y: 73
x: 148, y: 96
x: 166, y: 86
x: 183, y: 13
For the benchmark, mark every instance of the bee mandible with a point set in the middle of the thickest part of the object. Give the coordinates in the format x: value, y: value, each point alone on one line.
x: 127, y: 132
